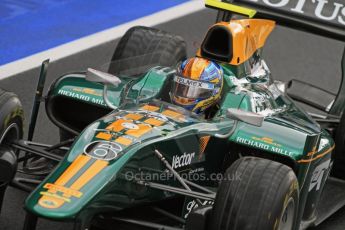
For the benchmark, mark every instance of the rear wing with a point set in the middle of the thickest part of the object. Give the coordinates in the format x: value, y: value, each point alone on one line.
x: 321, y: 17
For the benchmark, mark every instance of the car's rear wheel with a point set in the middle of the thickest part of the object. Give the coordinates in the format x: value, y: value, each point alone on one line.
x: 144, y: 47
x: 256, y: 194
x: 11, y: 128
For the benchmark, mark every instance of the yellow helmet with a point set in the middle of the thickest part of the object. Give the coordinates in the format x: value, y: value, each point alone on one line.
x: 197, y: 84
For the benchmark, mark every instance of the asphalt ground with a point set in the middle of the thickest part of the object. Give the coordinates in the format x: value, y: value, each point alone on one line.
x: 289, y: 54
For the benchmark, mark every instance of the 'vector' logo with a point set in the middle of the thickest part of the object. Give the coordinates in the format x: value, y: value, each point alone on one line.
x: 183, y: 160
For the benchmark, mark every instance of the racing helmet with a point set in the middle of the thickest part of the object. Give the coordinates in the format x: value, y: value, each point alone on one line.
x: 197, y: 84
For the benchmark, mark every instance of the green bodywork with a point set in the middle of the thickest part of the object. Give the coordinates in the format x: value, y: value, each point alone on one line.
x: 287, y: 133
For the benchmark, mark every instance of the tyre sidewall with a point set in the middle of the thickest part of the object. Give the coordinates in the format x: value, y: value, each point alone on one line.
x: 288, y: 190
x: 11, y: 113
x: 255, y: 204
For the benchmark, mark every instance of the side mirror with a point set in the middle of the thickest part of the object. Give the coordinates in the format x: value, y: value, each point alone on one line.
x: 240, y: 115
x: 106, y: 79
x: 93, y: 75
x: 247, y: 117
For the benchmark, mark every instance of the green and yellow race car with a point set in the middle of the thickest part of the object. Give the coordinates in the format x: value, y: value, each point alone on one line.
x: 129, y: 158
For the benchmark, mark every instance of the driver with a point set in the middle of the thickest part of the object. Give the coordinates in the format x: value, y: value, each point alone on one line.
x: 197, y: 86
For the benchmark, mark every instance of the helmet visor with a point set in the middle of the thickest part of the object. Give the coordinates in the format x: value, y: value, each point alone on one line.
x: 192, y: 89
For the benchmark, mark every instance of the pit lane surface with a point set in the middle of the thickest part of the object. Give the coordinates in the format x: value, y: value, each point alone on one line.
x: 290, y: 54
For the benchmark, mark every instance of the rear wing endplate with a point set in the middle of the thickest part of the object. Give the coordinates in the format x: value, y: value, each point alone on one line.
x: 321, y: 17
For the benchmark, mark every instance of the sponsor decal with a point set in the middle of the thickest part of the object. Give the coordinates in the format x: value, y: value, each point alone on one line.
x: 265, y: 144
x: 74, y: 95
x: 82, y: 97
x: 333, y: 11
x: 67, y: 192
x: 103, y: 150
x: 88, y: 91
x: 318, y: 175
x: 198, y: 170
x: 182, y: 160
x: 193, y: 83
x: 193, y: 204
x: 267, y: 140
x: 52, y: 200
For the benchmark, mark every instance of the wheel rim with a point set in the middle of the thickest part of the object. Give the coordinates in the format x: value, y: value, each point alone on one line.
x: 287, y: 218
x: 10, y: 133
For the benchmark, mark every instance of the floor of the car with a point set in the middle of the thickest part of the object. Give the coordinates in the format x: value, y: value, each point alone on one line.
x: 144, y: 213
x: 332, y: 199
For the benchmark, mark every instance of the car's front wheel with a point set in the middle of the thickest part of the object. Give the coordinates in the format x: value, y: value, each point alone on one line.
x: 11, y: 129
x: 256, y: 194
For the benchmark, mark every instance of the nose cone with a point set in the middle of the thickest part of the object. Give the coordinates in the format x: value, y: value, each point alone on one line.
x: 98, y: 154
x: 69, y: 188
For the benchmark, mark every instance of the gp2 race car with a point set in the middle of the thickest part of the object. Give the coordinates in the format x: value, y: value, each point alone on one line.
x: 128, y: 158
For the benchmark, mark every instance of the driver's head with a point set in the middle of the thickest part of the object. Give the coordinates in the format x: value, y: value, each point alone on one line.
x: 197, y: 84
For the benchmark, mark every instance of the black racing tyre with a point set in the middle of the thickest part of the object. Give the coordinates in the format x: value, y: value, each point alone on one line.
x: 11, y: 128
x: 11, y: 118
x: 143, y: 47
x: 338, y: 169
x: 256, y: 194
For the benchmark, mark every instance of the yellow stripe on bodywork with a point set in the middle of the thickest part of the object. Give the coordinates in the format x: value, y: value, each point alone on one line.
x: 123, y: 141
x: 90, y: 173
x: 117, y: 125
x: 133, y: 116
x: 231, y: 7
x: 143, y: 128
x: 52, y: 200
x: 104, y: 136
x: 171, y: 114
x: 154, y: 122
x: 75, y: 167
x: 150, y: 108
x: 318, y: 156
